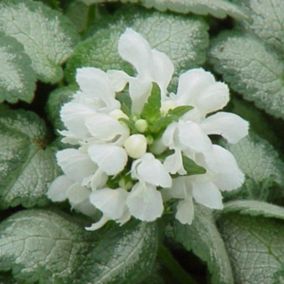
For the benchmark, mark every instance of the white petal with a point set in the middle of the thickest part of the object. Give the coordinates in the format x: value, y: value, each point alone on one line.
x: 74, y: 116
x: 97, y: 84
x: 98, y: 224
x: 228, y: 175
x: 192, y: 137
x: 133, y: 48
x: 75, y: 164
x: 112, y: 202
x: 151, y: 170
x: 206, y: 193
x: 191, y: 84
x: 78, y: 194
x: 97, y: 180
x: 163, y: 70
x: 110, y: 158
x: 231, y: 126
x: 104, y: 128
x: 58, y: 189
x: 85, y: 208
x: 215, y: 97
x: 139, y: 91
x: 145, y: 202
x: 185, y: 211
x: 169, y: 136
x: 119, y: 79
x: 174, y: 163
x: 181, y: 189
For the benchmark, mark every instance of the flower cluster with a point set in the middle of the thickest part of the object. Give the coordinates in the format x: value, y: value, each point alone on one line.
x: 138, y: 148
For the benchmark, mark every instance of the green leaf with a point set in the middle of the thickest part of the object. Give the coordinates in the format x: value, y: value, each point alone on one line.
x: 260, y: 163
x: 56, y: 100
x: 216, y: 8
x: 47, y: 36
x: 254, y: 208
x: 251, y: 69
x: 151, y: 110
x: 125, y: 102
x: 191, y: 167
x: 17, y: 78
x: 26, y: 166
x: 124, y: 255
x: 183, y: 39
x: 203, y: 238
x: 266, y: 21
x: 78, y: 13
x: 255, y: 246
x: 44, y: 246
x: 259, y: 121
x: 172, y: 116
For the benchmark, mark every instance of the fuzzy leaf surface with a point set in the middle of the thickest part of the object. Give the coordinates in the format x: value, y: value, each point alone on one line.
x: 266, y: 21
x: 216, y: 8
x: 261, y: 164
x: 26, y: 166
x: 254, y: 208
x: 47, y: 36
x: 17, y: 78
x: 257, y: 73
x: 255, y: 246
x: 203, y: 238
x: 48, y: 247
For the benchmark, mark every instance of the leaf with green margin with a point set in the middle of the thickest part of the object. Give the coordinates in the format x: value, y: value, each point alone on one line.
x: 257, y: 73
x: 254, y: 208
x: 266, y: 20
x: 78, y: 13
x: 40, y: 245
x: 49, y: 247
x: 172, y: 116
x: 47, y: 36
x: 183, y: 39
x: 203, y: 238
x: 261, y: 164
x: 125, y: 255
x: 216, y: 8
x: 56, y: 100
x: 151, y: 110
x: 26, y: 166
x: 255, y: 246
x: 279, y: 276
x: 17, y: 78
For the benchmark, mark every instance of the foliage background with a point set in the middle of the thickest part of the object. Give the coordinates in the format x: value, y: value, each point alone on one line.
x: 41, y: 45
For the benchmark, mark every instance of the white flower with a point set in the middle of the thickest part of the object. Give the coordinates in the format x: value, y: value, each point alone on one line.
x: 151, y: 66
x: 112, y: 203
x: 114, y: 169
x: 223, y: 174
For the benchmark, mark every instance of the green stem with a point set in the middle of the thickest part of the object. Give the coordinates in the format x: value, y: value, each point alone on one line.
x: 166, y: 258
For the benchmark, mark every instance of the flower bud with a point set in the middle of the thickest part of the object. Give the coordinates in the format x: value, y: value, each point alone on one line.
x: 141, y: 125
x: 135, y: 145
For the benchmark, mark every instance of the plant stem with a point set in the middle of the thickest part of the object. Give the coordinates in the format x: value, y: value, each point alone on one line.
x: 166, y: 258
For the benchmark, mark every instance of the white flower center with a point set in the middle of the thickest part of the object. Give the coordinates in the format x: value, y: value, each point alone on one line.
x: 135, y: 146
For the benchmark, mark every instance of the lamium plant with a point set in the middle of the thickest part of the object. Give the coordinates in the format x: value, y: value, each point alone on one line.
x: 141, y: 141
